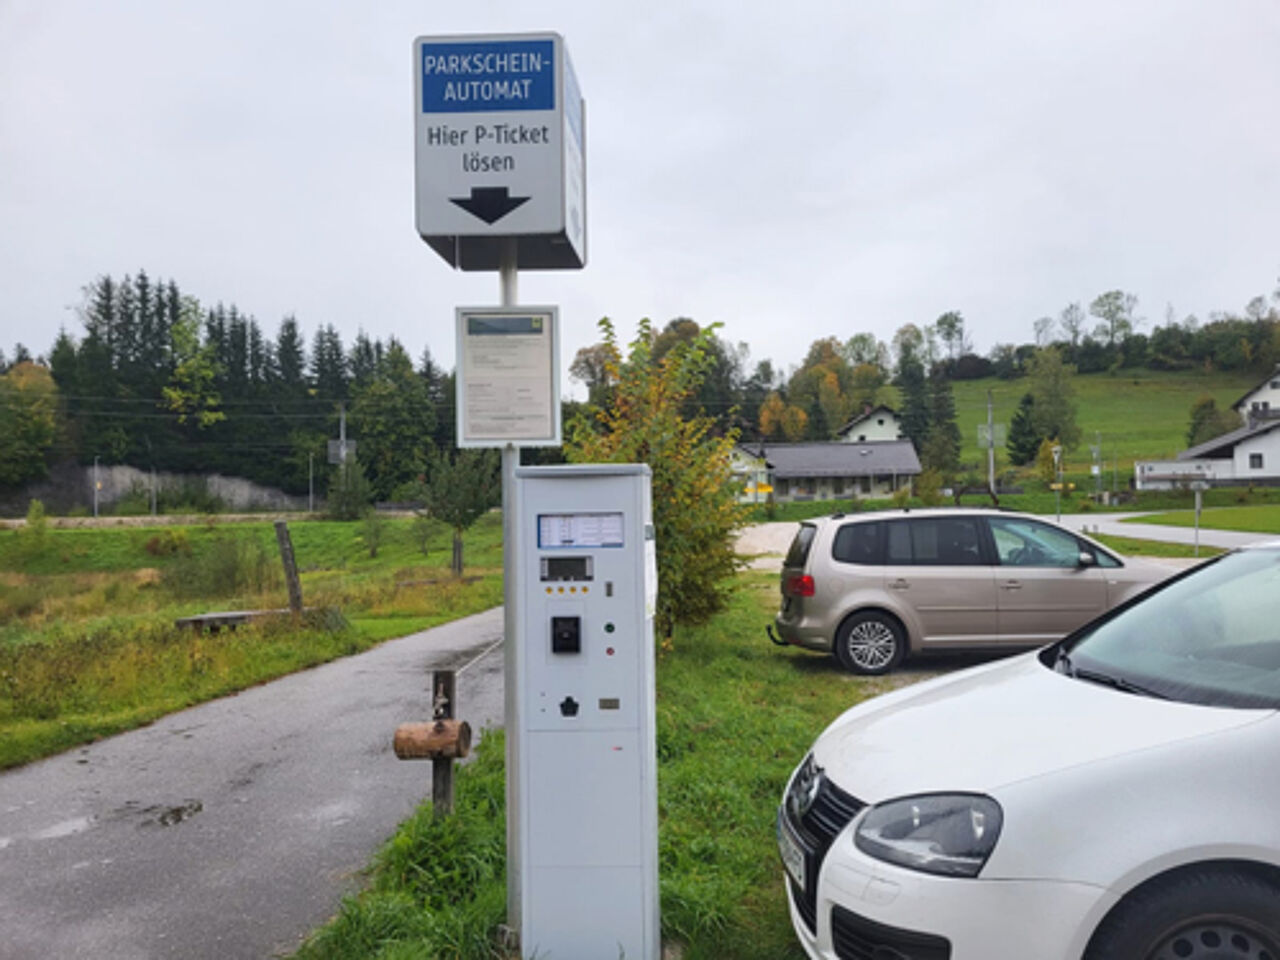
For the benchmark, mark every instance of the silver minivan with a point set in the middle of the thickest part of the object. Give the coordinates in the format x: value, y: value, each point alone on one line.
x: 873, y: 588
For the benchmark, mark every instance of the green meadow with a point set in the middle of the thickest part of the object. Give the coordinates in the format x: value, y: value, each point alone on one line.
x: 88, y: 643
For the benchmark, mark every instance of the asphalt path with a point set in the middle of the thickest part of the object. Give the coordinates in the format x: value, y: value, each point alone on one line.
x: 1115, y: 524
x: 233, y: 828
x: 768, y: 542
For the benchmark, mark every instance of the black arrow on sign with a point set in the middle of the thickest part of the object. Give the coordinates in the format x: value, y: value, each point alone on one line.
x: 490, y: 204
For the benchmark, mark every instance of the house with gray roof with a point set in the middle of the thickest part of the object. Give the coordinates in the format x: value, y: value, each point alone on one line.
x: 1249, y: 455
x: 824, y: 471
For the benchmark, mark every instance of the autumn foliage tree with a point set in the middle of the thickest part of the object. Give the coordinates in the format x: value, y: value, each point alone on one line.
x: 695, y: 508
x: 29, y: 423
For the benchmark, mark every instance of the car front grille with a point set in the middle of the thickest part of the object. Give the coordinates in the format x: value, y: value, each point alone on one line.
x: 857, y: 938
x: 827, y: 814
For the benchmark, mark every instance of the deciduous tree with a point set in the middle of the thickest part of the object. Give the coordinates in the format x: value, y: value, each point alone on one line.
x: 29, y: 423
x: 1055, y: 406
x: 1207, y: 421
x: 460, y: 490
x: 695, y: 505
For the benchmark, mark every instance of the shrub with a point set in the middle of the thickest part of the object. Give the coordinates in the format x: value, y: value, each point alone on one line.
x: 371, y: 529
x: 229, y: 566
x: 929, y: 488
x: 35, y: 534
x: 349, y: 491
x: 169, y: 543
x: 695, y: 508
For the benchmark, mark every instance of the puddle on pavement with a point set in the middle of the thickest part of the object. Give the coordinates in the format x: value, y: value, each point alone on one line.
x: 158, y: 814
x: 169, y: 816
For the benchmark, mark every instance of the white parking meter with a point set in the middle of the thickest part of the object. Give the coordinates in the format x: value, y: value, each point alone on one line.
x: 586, y: 793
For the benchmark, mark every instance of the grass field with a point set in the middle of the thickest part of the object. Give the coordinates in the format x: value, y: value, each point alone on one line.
x: 735, y: 715
x: 88, y: 645
x: 1258, y: 518
x: 1140, y: 414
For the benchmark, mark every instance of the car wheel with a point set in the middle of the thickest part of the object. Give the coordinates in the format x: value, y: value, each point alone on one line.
x: 871, y: 644
x: 1202, y: 914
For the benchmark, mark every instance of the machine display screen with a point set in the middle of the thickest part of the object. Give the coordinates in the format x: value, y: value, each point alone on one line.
x: 566, y: 569
x: 578, y: 530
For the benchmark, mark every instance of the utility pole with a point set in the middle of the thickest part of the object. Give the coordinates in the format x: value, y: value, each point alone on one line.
x: 1057, y: 469
x: 342, y: 432
x: 991, y: 446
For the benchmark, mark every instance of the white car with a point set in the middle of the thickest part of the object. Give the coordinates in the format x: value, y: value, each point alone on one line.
x: 1115, y: 796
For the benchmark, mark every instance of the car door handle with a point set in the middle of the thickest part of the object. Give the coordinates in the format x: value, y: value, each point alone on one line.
x: 899, y: 584
x: 1011, y: 585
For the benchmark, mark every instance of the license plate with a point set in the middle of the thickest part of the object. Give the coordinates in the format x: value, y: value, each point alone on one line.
x: 792, y: 854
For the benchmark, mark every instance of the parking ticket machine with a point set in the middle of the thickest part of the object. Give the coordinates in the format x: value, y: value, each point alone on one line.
x: 587, y: 787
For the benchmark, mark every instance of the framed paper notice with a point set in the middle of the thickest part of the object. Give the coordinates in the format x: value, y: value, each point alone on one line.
x: 508, y: 389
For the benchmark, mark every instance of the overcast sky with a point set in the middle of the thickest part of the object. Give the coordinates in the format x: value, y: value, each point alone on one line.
x: 792, y: 170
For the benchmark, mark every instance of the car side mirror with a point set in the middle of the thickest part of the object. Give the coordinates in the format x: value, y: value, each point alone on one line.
x: 1086, y: 559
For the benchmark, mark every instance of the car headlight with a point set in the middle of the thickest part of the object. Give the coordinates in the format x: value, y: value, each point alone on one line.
x: 951, y: 834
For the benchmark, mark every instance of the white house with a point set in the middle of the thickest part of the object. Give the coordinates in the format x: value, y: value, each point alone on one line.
x: 1248, y: 455
x: 875, y: 423
x: 1262, y: 402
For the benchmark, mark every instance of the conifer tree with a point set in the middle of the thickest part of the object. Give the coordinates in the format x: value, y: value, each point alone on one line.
x: 1024, y: 438
x: 942, y: 448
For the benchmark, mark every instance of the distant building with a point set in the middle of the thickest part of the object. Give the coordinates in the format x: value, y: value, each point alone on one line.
x: 824, y: 471
x: 1249, y: 455
x: 1241, y: 457
x: 875, y: 423
x: 1262, y: 402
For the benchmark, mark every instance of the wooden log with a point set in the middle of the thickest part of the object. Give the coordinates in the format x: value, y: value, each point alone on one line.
x: 437, y: 740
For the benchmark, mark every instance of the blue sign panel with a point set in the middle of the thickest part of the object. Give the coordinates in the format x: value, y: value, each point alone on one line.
x: 479, y: 76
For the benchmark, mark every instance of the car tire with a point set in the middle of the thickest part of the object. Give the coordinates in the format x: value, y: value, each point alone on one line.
x: 870, y: 644
x: 1197, y: 914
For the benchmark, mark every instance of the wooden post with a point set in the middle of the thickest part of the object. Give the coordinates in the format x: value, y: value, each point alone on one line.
x: 444, y: 685
x: 290, y: 566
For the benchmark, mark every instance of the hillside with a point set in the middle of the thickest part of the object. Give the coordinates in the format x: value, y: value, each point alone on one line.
x: 1140, y: 414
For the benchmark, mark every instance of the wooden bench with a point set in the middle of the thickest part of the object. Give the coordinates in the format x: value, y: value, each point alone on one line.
x: 213, y: 622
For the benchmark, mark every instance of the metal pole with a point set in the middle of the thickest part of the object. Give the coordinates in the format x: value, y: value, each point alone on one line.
x: 507, y: 281
x: 153, y: 491
x: 1197, y: 551
x: 991, y: 446
x: 311, y: 482
x: 95, y: 486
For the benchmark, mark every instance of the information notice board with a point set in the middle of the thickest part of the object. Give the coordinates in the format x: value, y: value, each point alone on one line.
x: 508, y: 377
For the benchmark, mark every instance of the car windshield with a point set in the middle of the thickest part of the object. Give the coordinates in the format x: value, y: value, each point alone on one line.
x: 1211, y: 637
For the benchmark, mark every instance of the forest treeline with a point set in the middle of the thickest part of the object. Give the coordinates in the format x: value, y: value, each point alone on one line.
x: 153, y: 378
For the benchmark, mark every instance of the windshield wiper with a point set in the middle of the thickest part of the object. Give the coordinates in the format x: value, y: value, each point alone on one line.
x: 1063, y: 663
x: 1114, y: 682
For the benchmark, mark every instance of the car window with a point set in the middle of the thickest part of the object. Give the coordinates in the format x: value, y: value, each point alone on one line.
x: 859, y: 543
x: 799, y: 552
x: 1210, y: 637
x: 1021, y: 542
x: 933, y: 541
